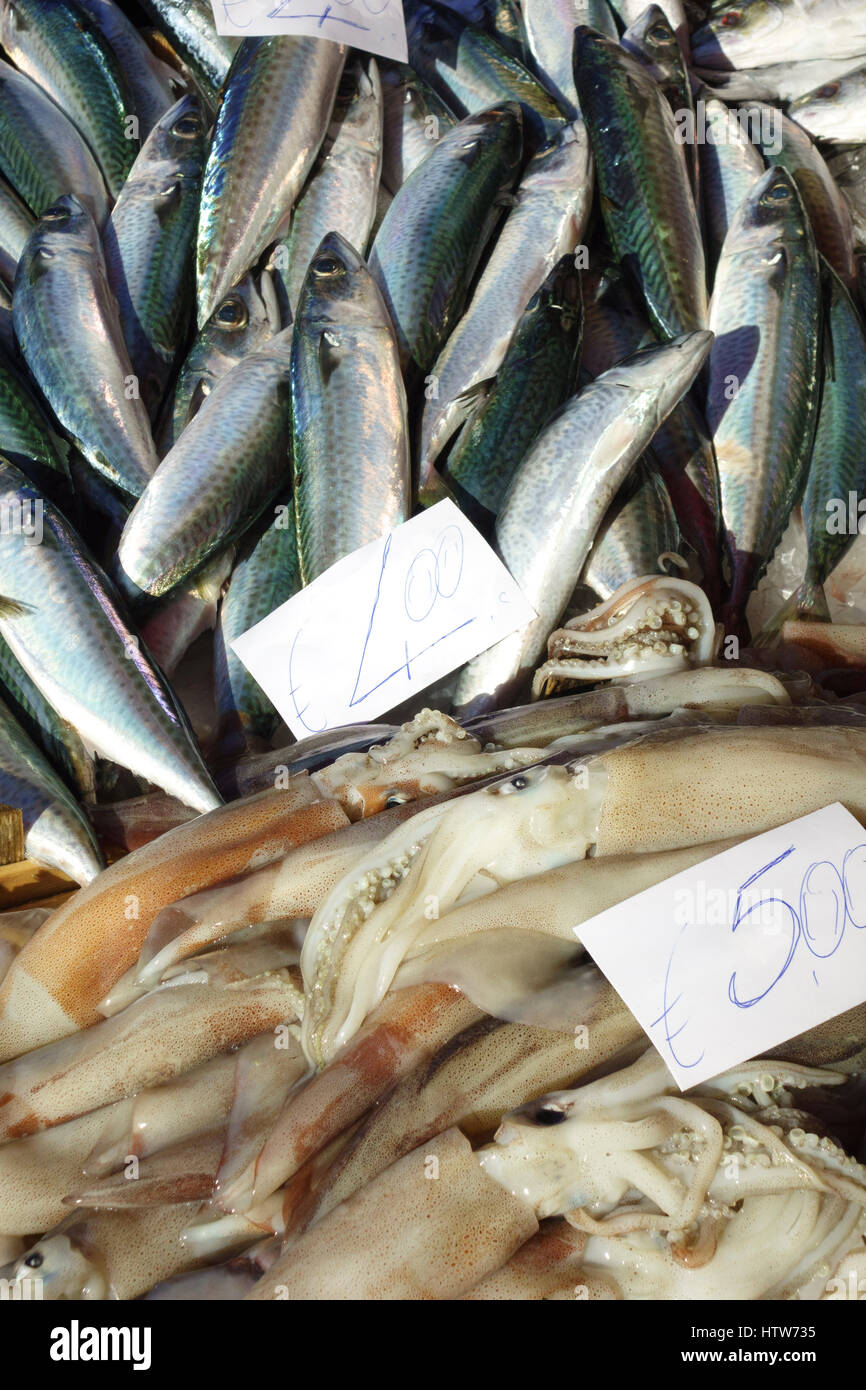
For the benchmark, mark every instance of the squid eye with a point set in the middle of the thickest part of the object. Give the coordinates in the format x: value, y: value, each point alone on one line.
x: 187, y: 128
x: 519, y: 782
x: 550, y: 1115
x: 731, y: 19
x: 831, y: 90
x: 34, y: 1261
x: 232, y: 313
x: 395, y: 799
x: 327, y: 267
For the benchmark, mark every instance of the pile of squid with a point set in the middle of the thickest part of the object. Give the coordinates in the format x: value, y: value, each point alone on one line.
x: 339, y: 1039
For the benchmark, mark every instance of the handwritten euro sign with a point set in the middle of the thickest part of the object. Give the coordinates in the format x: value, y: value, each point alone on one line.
x: 746, y: 950
x: 385, y: 623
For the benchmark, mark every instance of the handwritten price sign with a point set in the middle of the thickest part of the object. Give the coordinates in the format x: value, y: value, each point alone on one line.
x: 384, y: 623
x: 744, y: 951
x: 377, y: 26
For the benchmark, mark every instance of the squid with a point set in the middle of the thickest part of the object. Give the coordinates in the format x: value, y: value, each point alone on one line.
x: 684, y: 1196
x: 54, y: 985
x: 652, y: 795
x: 166, y: 1033
x: 655, y: 623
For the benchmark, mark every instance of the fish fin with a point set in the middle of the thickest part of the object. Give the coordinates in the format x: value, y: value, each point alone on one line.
x: 11, y: 608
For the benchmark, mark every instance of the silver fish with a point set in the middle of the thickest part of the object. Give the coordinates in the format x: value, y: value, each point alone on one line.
x: 552, y: 205
x: 68, y: 327
x: 214, y: 482
x: 278, y: 100
x: 351, y: 446
x: 56, y: 832
x: 560, y: 494
x: 342, y: 191
x: 60, y: 618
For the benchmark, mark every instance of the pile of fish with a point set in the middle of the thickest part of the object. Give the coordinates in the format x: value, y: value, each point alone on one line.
x: 324, y: 1027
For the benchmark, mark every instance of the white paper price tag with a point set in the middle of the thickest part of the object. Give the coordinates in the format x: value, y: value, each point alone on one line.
x: 384, y: 623
x: 744, y: 951
x: 377, y: 26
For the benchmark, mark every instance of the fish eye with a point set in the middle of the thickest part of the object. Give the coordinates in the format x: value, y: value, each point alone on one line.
x: 327, y: 267
x: 779, y: 193
x: 825, y: 93
x: 232, y: 313
x: 56, y: 214
x: 187, y: 128
x: 731, y: 19
x: 659, y: 34
x: 173, y: 186
x: 550, y: 1115
x: 34, y: 1261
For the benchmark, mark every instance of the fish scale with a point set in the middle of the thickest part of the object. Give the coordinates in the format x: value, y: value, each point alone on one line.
x: 646, y: 201
x: 56, y: 43
x: 42, y: 154
x: 61, y: 621
x: 150, y: 245
x: 68, y: 326
x: 434, y: 232
x: 762, y: 388
x: 256, y: 165
x: 349, y: 427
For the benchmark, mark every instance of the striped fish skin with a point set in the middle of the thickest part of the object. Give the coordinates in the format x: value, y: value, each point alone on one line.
x: 681, y: 450
x: 244, y: 321
x: 415, y: 118
x: 434, y: 232
x: 646, y: 200
x: 559, y: 497
x: 763, y: 375
x: 27, y: 436
x: 756, y: 32
x: 537, y: 374
x: 267, y: 575
x: 838, y: 463
x: 42, y: 154
x: 471, y: 71
x: 730, y: 168
x: 277, y: 103
x: 56, y: 43
x: 68, y: 327
x: 349, y: 425
x: 214, y: 482
x: 60, y: 619
x: 52, y: 735
x: 16, y: 224
x: 550, y: 26
x: 342, y: 191
x: 640, y: 527
x: 153, y: 86
x: 834, y: 110
x: 56, y: 833
x: 652, y: 40
x: 190, y: 27
x: 548, y: 220
x: 828, y: 212
x: 150, y: 246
